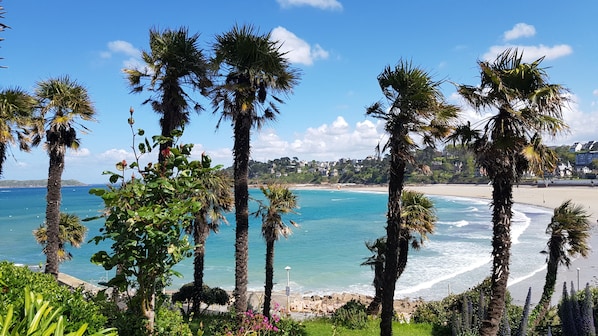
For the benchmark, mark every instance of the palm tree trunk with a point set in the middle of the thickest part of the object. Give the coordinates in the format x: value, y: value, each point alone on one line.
x: 403, y: 252
x: 502, y: 202
x: 393, y: 228
x: 53, y: 200
x: 269, y: 277
x: 374, y: 306
x: 2, y: 156
x: 200, y: 235
x: 242, y: 131
x: 549, y: 284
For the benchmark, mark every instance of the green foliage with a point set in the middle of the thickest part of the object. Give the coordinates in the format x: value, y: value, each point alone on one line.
x: 40, y: 318
x: 323, y: 326
x: 146, y: 217
x: 351, y: 315
x: 462, y: 313
x: 73, y: 304
x: 209, y: 296
x: 170, y: 323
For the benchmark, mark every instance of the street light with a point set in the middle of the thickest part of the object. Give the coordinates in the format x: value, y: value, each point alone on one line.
x: 288, y: 289
x: 578, y: 279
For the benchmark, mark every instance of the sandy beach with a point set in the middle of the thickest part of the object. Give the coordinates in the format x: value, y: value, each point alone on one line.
x: 582, y: 270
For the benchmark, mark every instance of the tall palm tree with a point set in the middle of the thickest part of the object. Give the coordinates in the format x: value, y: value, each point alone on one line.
x: 16, y: 113
x: 256, y: 72
x: 418, y: 220
x: 508, y: 145
x: 62, y: 102
x: 416, y: 106
x: 71, y: 231
x: 570, y: 231
x: 216, y: 198
x: 173, y: 62
x: 281, y: 201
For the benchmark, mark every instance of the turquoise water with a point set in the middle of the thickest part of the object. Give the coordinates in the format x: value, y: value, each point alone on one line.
x: 324, y: 253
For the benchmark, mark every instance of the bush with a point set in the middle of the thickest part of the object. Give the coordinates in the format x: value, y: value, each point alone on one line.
x: 351, y: 315
x: 40, y: 318
x: 74, y: 304
x: 209, y: 296
x: 170, y: 323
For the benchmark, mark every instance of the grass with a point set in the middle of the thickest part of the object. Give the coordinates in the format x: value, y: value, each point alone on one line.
x: 323, y: 326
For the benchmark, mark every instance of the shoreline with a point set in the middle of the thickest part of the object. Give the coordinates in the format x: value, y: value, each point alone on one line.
x: 581, y: 270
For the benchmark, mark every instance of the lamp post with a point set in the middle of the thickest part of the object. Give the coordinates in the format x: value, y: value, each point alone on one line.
x: 578, y: 279
x: 288, y: 289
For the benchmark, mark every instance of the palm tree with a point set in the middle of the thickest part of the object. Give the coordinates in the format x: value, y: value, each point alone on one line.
x: 71, y: 231
x: 254, y: 67
x: 173, y: 62
x: 16, y: 111
x: 509, y: 145
x: 62, y: 102
x: 216, y: 198
x: 570, y: 231
x: 280, y: 201
x: 416, y: 106
x: 418, y: 219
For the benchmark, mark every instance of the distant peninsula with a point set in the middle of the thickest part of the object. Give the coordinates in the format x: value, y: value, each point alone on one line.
x: 36, y: 183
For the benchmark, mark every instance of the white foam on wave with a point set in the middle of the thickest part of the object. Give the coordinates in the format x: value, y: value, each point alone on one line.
x: 428, y: 284
x: 459, y: 223
x: 511, y: 282
x: 519, y: 223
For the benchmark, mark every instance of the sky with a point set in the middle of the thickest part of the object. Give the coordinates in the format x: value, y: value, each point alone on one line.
x: 339, y: 47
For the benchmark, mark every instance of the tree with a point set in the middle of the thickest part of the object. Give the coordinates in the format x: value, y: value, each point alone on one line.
x: 71, y: 231
x: 570, y: 231
x: 281, y: 201
x: 418, y: 220
x: 215, y: 197
x: 254, y: 68
x: 508, y: 145
x: 173, y: 62
x: 62, y: 102
x: 16, y: 113
x: 146, y: 217
x: 416, y: 106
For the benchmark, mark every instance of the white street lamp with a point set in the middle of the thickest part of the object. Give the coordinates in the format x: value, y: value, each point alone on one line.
x: 288, y: 289
x: 578, y: 279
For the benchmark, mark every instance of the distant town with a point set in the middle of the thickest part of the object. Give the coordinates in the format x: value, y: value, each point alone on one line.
x: 453, y: 164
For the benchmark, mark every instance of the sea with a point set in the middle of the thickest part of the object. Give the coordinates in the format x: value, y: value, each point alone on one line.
x: 323, y: 255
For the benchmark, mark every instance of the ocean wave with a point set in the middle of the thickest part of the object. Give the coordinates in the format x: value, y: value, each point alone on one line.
x: 525, y: 276
x: 428, y: 284
x: 459, y: 223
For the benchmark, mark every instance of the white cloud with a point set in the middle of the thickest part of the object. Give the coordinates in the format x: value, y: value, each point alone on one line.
x: 298, y: 51
x: 595, y: 92
x: 123, y: 47
x: 520, y: 30
x: 120, y: 47
x: 321, y: 4
x: 531, y: 53
x: 81, y: 152
x: 325, y: 142
x: 115, y: 155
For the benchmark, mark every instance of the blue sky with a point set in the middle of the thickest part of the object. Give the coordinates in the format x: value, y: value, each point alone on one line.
x: 339, y: 46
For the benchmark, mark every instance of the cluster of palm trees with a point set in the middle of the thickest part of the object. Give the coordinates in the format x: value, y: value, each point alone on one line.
x: 245, y: 81
x: 505, y: 145
x: 247, y: 78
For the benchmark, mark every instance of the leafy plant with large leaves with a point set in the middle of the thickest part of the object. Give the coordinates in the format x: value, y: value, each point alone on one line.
x: 146, y: 217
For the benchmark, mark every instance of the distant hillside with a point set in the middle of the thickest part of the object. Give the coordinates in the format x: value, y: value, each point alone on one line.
x: 36, y: 183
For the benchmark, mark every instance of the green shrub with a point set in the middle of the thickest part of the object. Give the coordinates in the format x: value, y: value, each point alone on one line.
x: 74, y: 304
x: 351, y: 315
x: 170, y: 323
x: 40, y: 318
